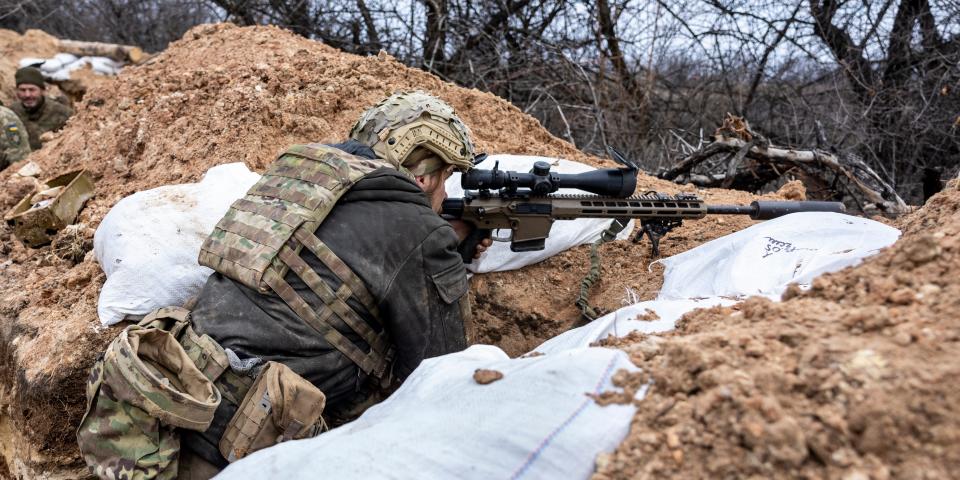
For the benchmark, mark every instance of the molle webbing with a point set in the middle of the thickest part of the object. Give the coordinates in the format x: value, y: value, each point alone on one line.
x: 262, y: 235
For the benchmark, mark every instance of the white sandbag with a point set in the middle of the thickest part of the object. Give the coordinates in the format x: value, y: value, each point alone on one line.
x: 59, y: 62
x: 50, y: 66
x: 628, y: 319
x: 104, y: 65
x: 535, y: 422
x: 765, y: 258
x: 148, y: 243
x: 67, y: 70
x: 30, y: 61
x: 60, y: 67
x: 564, y: 235
x: 65, y: 58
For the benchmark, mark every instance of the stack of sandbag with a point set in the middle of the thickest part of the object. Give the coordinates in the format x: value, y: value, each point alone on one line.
x: 61, y: 65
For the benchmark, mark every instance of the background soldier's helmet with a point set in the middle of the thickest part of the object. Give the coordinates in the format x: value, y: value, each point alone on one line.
x: 404, y: 121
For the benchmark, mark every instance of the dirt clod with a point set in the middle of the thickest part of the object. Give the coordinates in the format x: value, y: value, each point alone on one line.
x: 484, y: 376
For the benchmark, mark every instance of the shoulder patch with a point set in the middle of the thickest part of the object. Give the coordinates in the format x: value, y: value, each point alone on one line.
x: 13, y: 133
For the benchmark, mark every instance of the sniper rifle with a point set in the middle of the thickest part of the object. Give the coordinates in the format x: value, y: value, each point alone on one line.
x: 527, y: 204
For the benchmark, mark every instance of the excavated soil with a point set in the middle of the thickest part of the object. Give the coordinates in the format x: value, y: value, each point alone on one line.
x: 854, y: 379
x: 227, y: 94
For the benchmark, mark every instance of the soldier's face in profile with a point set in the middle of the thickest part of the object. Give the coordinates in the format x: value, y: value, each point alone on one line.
x: 29, y: 95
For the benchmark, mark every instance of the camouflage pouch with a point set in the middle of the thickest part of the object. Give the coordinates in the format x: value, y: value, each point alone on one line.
x: 142, y: 389
x: 280, y: 406
x: 205, y: 353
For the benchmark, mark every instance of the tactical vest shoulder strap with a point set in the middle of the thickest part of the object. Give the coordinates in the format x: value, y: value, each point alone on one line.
x: 260, y: 238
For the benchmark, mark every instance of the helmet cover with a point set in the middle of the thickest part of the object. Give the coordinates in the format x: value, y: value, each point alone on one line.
x: 406, y: 121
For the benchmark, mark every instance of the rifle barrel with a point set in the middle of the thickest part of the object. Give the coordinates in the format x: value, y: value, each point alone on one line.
x: 730, y: 210
x: 766, y: 210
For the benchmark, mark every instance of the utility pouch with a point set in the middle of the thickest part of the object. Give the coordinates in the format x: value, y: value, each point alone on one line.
x: 279, y: 406
x: 207, y: 355
x: 140, y: 391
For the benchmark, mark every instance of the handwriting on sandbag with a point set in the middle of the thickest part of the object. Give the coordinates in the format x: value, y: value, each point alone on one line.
x: 777, y: 246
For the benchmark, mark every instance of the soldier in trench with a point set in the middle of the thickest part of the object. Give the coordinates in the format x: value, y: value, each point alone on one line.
x: 39, y: 113
x: 376, y: 288
x: 14, y: 144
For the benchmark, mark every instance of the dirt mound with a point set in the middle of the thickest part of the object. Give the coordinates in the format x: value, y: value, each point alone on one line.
x: 13, y: 47
x: 853, y: 379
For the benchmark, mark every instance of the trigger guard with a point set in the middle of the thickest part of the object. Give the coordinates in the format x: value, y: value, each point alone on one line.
x: 496, y: 238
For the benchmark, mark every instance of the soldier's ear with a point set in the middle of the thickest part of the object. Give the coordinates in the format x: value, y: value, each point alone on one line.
x: 422, y: 181
x: 430, y: 181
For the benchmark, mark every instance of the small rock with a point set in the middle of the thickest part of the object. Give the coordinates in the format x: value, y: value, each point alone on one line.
x: 787, y: 442
x: 866, y: 363
x: 603, y: 460
x: 484, y: 376
x: 903, y: 339
x: 793, y: 290
x: 842, y: 457
x: 648, y: 316
x: 31, y: 169
x: 793, y: 190
x: 902, y: 296
x: 647, y: 348
x: 873, y: 317
x: 923, y: 249
x: 928, y: 291
x: 855, y: 475
x: 752, y: 430
x: 755, y: 349
x: 677, y: 456
x: 673, y: 440
x: 648, y: 438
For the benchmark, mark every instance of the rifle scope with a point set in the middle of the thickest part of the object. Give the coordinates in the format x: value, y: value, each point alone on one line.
x: 613, y: 182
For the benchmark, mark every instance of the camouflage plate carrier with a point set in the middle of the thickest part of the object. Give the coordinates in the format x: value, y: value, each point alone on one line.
x: 262, y: 234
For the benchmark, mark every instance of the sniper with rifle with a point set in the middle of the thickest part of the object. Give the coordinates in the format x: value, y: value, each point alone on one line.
x: 526, y: 204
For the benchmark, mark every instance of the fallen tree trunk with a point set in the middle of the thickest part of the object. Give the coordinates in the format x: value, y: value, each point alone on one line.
x: 120, y: 53
x: 769, y: 162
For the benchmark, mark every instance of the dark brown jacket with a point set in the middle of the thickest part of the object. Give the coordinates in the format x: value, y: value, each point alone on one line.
x: 385, y: 230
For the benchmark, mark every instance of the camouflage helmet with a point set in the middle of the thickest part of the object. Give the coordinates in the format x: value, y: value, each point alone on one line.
x: 396, y: 126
